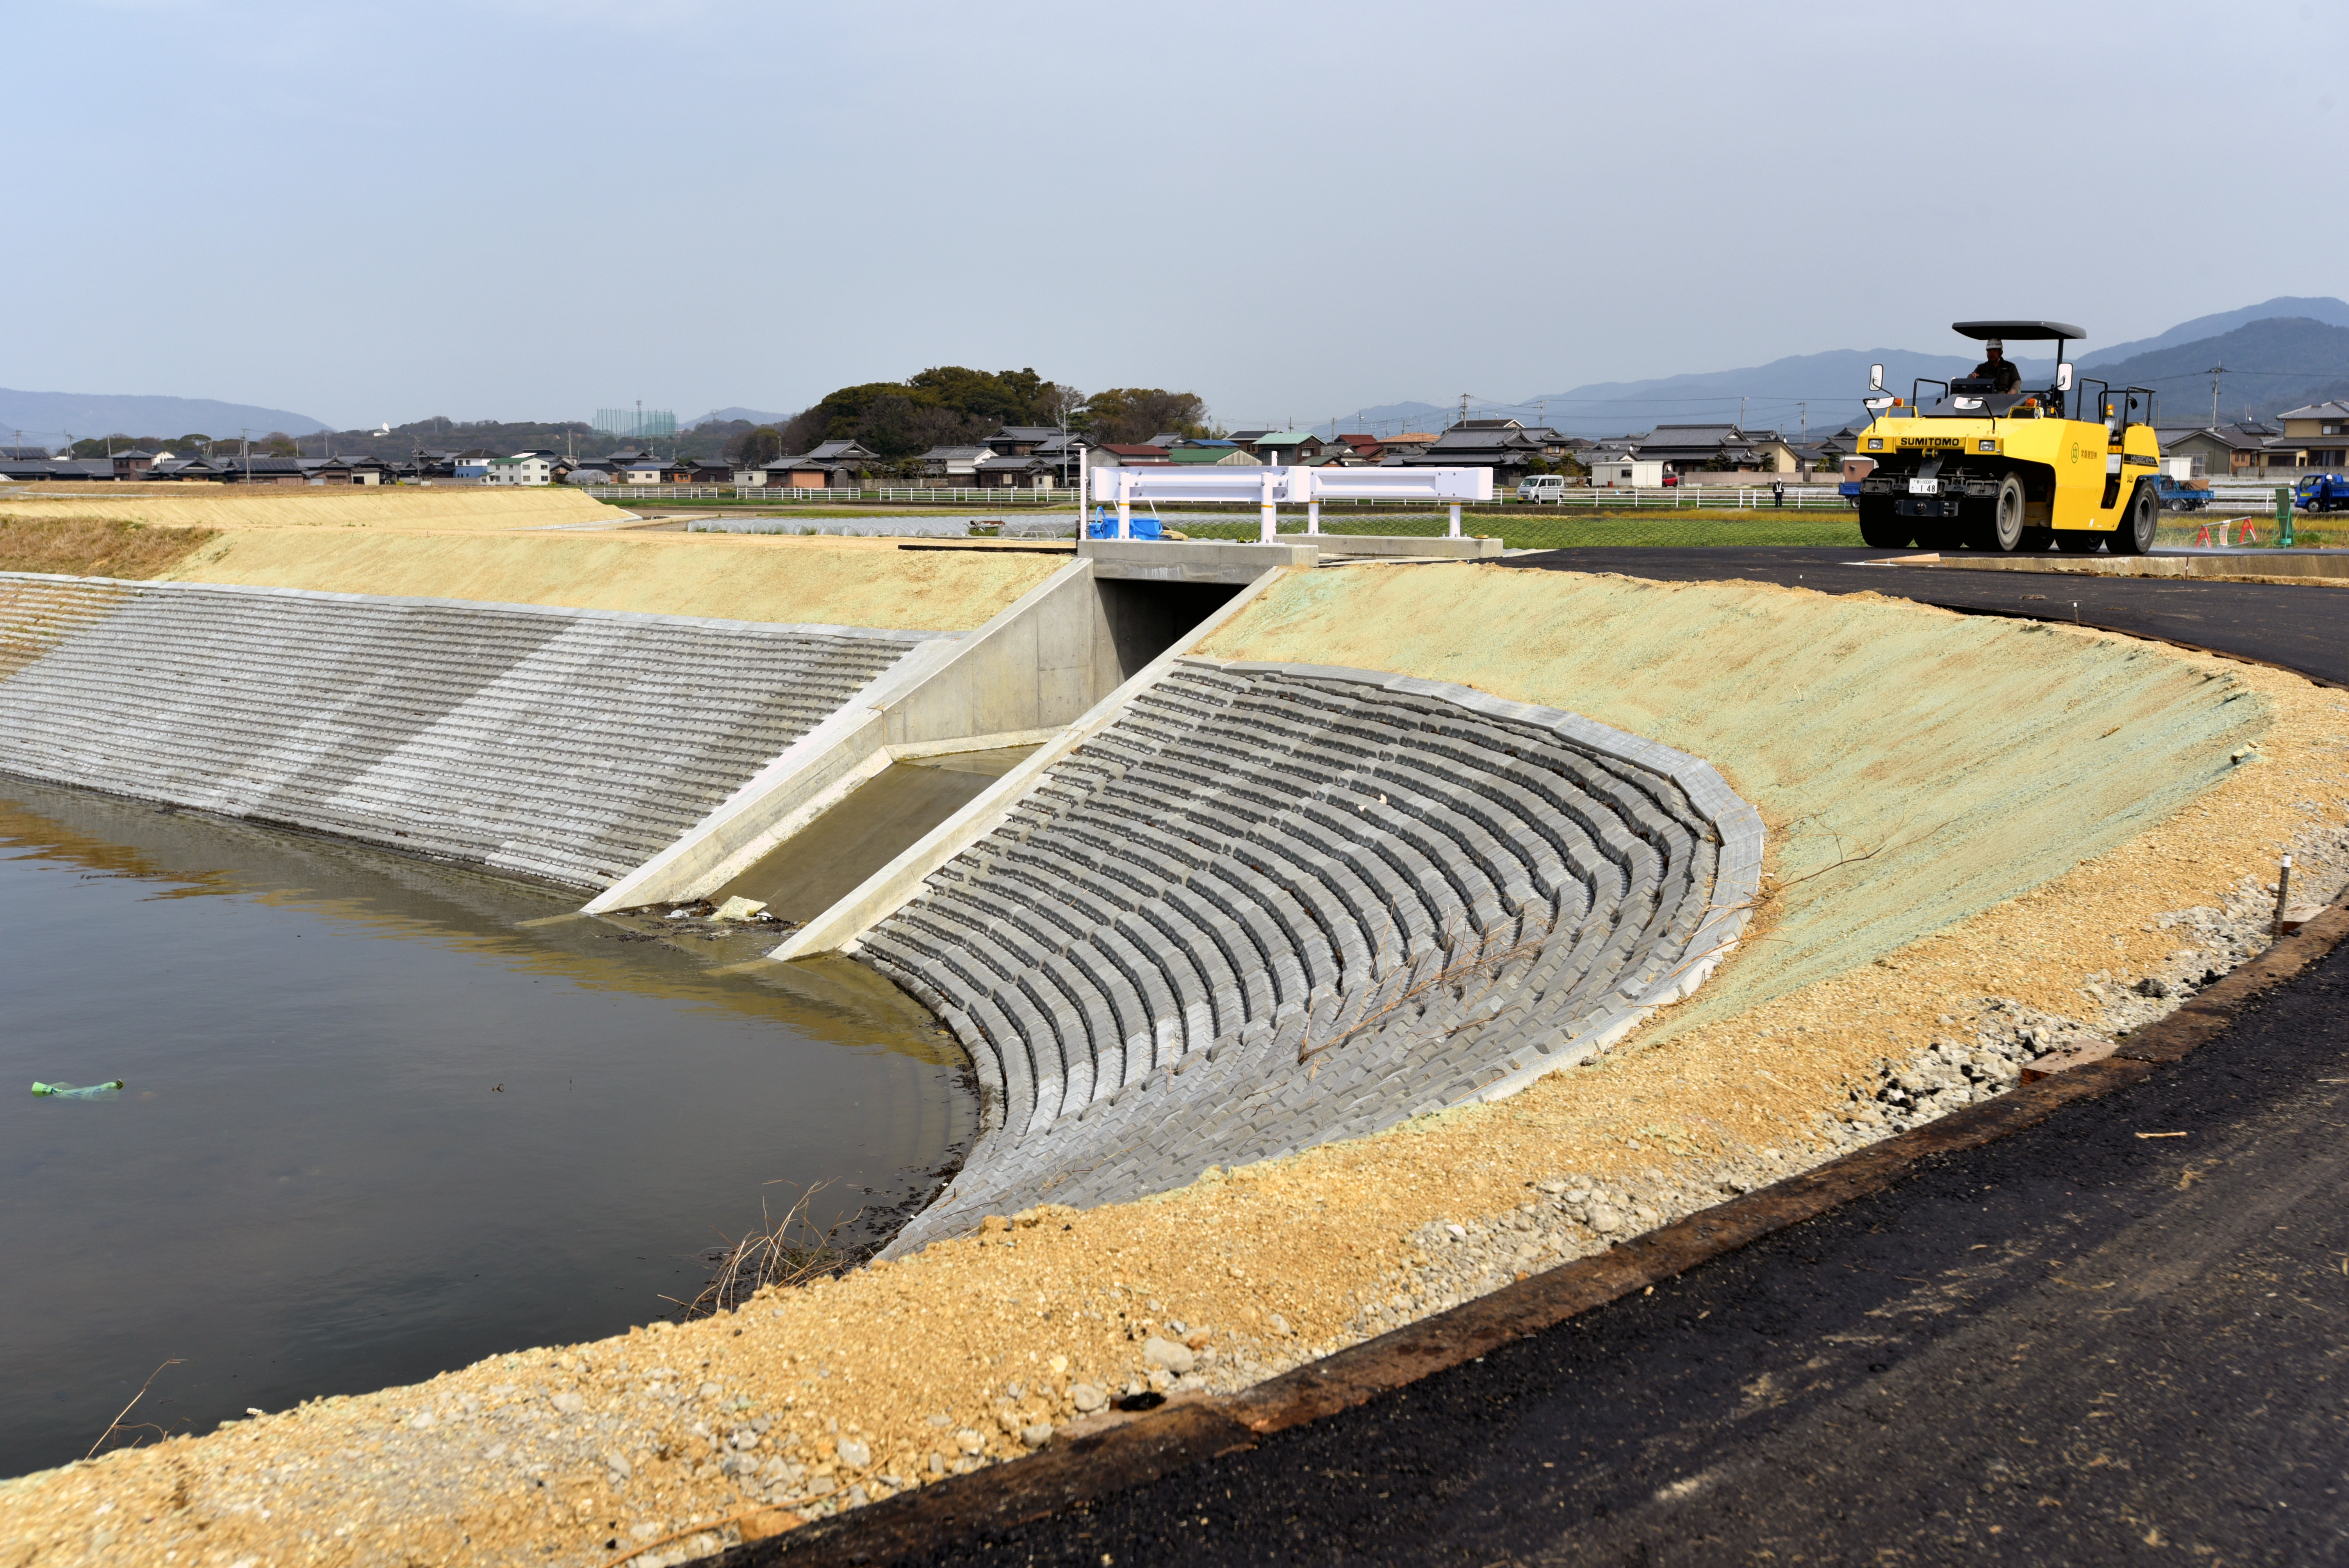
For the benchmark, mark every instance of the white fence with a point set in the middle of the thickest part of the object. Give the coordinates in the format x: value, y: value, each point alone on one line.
x: 985, y: 496
x: 997, y: 497
x: 1689, y: 498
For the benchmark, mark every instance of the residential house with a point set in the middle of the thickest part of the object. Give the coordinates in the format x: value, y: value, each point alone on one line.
x: 1168, y: 438
x: 2226, y: 452
x: 1111, y: 455
x: 1287, y: 447
x: 953, y: 465
x: 245, y: 469
x: 833, y: 465
x: 709, y: 471
x: 1695, y: 449
x: 2315, y: 437
x: 1225, y: 454
x: 1772, y: 452
x: 23, y: 454
x: 1246, y: 440
x: 1813, y: 456
x: 1410, y: 444
x: 1024, y: 440
x: 640, y: 473
x: 1365, y: 448
x: 169, y: 468
x: 521, y: 469
x: 1507, y: 446
x: 1031, y: 471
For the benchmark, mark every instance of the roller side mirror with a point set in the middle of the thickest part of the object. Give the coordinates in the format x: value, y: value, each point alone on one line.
x: 1876, y: 378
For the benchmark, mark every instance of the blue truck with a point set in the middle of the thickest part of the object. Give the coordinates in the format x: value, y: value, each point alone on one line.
x: 2321, y: 492
x: 2182, y: 495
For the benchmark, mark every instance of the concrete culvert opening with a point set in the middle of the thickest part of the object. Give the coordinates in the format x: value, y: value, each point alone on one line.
x: 1146, y: 618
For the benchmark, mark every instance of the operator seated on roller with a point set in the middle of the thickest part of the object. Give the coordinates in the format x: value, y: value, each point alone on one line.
x: 2003, y: 377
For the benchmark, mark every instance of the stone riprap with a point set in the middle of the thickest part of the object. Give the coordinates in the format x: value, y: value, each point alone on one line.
x: 1273, y: 905
x: 563, y: 745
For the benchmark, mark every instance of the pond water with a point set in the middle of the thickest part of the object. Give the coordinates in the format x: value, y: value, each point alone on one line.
x: 381, y: 1118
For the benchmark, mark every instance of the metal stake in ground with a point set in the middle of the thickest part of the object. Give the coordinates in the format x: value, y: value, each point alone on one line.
x: 2284, y: 891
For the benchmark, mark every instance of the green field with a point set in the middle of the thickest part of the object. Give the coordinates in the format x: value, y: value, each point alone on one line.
x: 1550, y: 530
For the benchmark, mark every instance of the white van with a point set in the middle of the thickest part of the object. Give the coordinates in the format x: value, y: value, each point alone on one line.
x: 1542, y: 487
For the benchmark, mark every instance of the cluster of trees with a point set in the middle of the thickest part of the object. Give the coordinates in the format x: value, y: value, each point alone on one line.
x: 276, y: 444
x: 951, y: 405
x: 945, y: 406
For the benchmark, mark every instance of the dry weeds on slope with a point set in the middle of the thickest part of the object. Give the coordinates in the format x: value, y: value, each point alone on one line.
x: 841, y: 1392
x: 95, y: 547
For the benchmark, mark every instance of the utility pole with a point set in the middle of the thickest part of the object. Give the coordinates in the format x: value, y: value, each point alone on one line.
x: 2215, y: 371
x: 1463, y: 407
x: 1802, y: 412
x: 1741, y: 413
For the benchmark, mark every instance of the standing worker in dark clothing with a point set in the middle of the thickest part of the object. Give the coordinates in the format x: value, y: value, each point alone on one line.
x: 1778, y: 492
x: 2004, y: 378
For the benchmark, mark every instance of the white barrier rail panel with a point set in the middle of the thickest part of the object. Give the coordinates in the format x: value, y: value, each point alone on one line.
x: 1271, y: 487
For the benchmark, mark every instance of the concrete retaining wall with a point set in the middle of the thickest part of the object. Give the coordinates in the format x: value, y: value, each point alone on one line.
x: 1263, y: 906
x: 1021, y: 679
x: 563, y: 745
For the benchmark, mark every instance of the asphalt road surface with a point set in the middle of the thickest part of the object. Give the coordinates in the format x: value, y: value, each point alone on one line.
x: 2304, y: 628
x: 2112, y: 1336
x: 2079, y: 1344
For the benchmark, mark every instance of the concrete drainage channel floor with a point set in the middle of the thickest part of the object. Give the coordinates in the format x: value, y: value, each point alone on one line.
x: 1275, y: 905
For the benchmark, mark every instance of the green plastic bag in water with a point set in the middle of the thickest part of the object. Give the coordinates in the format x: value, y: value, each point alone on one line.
x: 68, y: 1090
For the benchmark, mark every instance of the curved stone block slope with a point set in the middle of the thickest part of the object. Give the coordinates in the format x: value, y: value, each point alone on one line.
x: 565, y: 744
x: 1275, y: 904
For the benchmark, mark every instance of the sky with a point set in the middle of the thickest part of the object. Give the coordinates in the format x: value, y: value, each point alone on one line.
x: 526, y: 210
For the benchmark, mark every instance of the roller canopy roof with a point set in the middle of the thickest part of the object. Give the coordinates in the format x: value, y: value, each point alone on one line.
x: 2023, y: 331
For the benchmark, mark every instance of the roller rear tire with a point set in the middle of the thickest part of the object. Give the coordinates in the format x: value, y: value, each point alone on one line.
x: 2003, y: 531
x: 1880, y: 528
x: 2077, y: 540
x: 2139, y: 524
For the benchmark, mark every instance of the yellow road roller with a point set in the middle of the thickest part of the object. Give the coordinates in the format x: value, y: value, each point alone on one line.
x: 1992, y: 464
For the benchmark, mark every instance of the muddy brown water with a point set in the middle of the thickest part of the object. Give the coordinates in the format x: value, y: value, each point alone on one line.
x: 382, y: 1118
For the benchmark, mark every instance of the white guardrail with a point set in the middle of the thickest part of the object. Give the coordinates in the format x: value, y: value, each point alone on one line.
x: 1269, y: 488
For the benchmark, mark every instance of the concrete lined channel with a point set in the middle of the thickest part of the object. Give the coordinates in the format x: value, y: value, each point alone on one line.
x: 1026, y: 823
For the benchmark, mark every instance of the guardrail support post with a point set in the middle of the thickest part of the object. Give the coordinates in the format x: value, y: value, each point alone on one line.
x: 1455, y: 520
x: 1270, y: 523
x: 1124, y: 506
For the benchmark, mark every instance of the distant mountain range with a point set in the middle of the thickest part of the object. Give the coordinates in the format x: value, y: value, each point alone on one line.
x: 2270, y: 365
x: 48, y: 417
x: 2288, y: 351
x: 2281, y: 354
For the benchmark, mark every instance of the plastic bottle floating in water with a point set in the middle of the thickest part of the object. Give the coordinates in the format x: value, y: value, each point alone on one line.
x: 67, y: 1091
